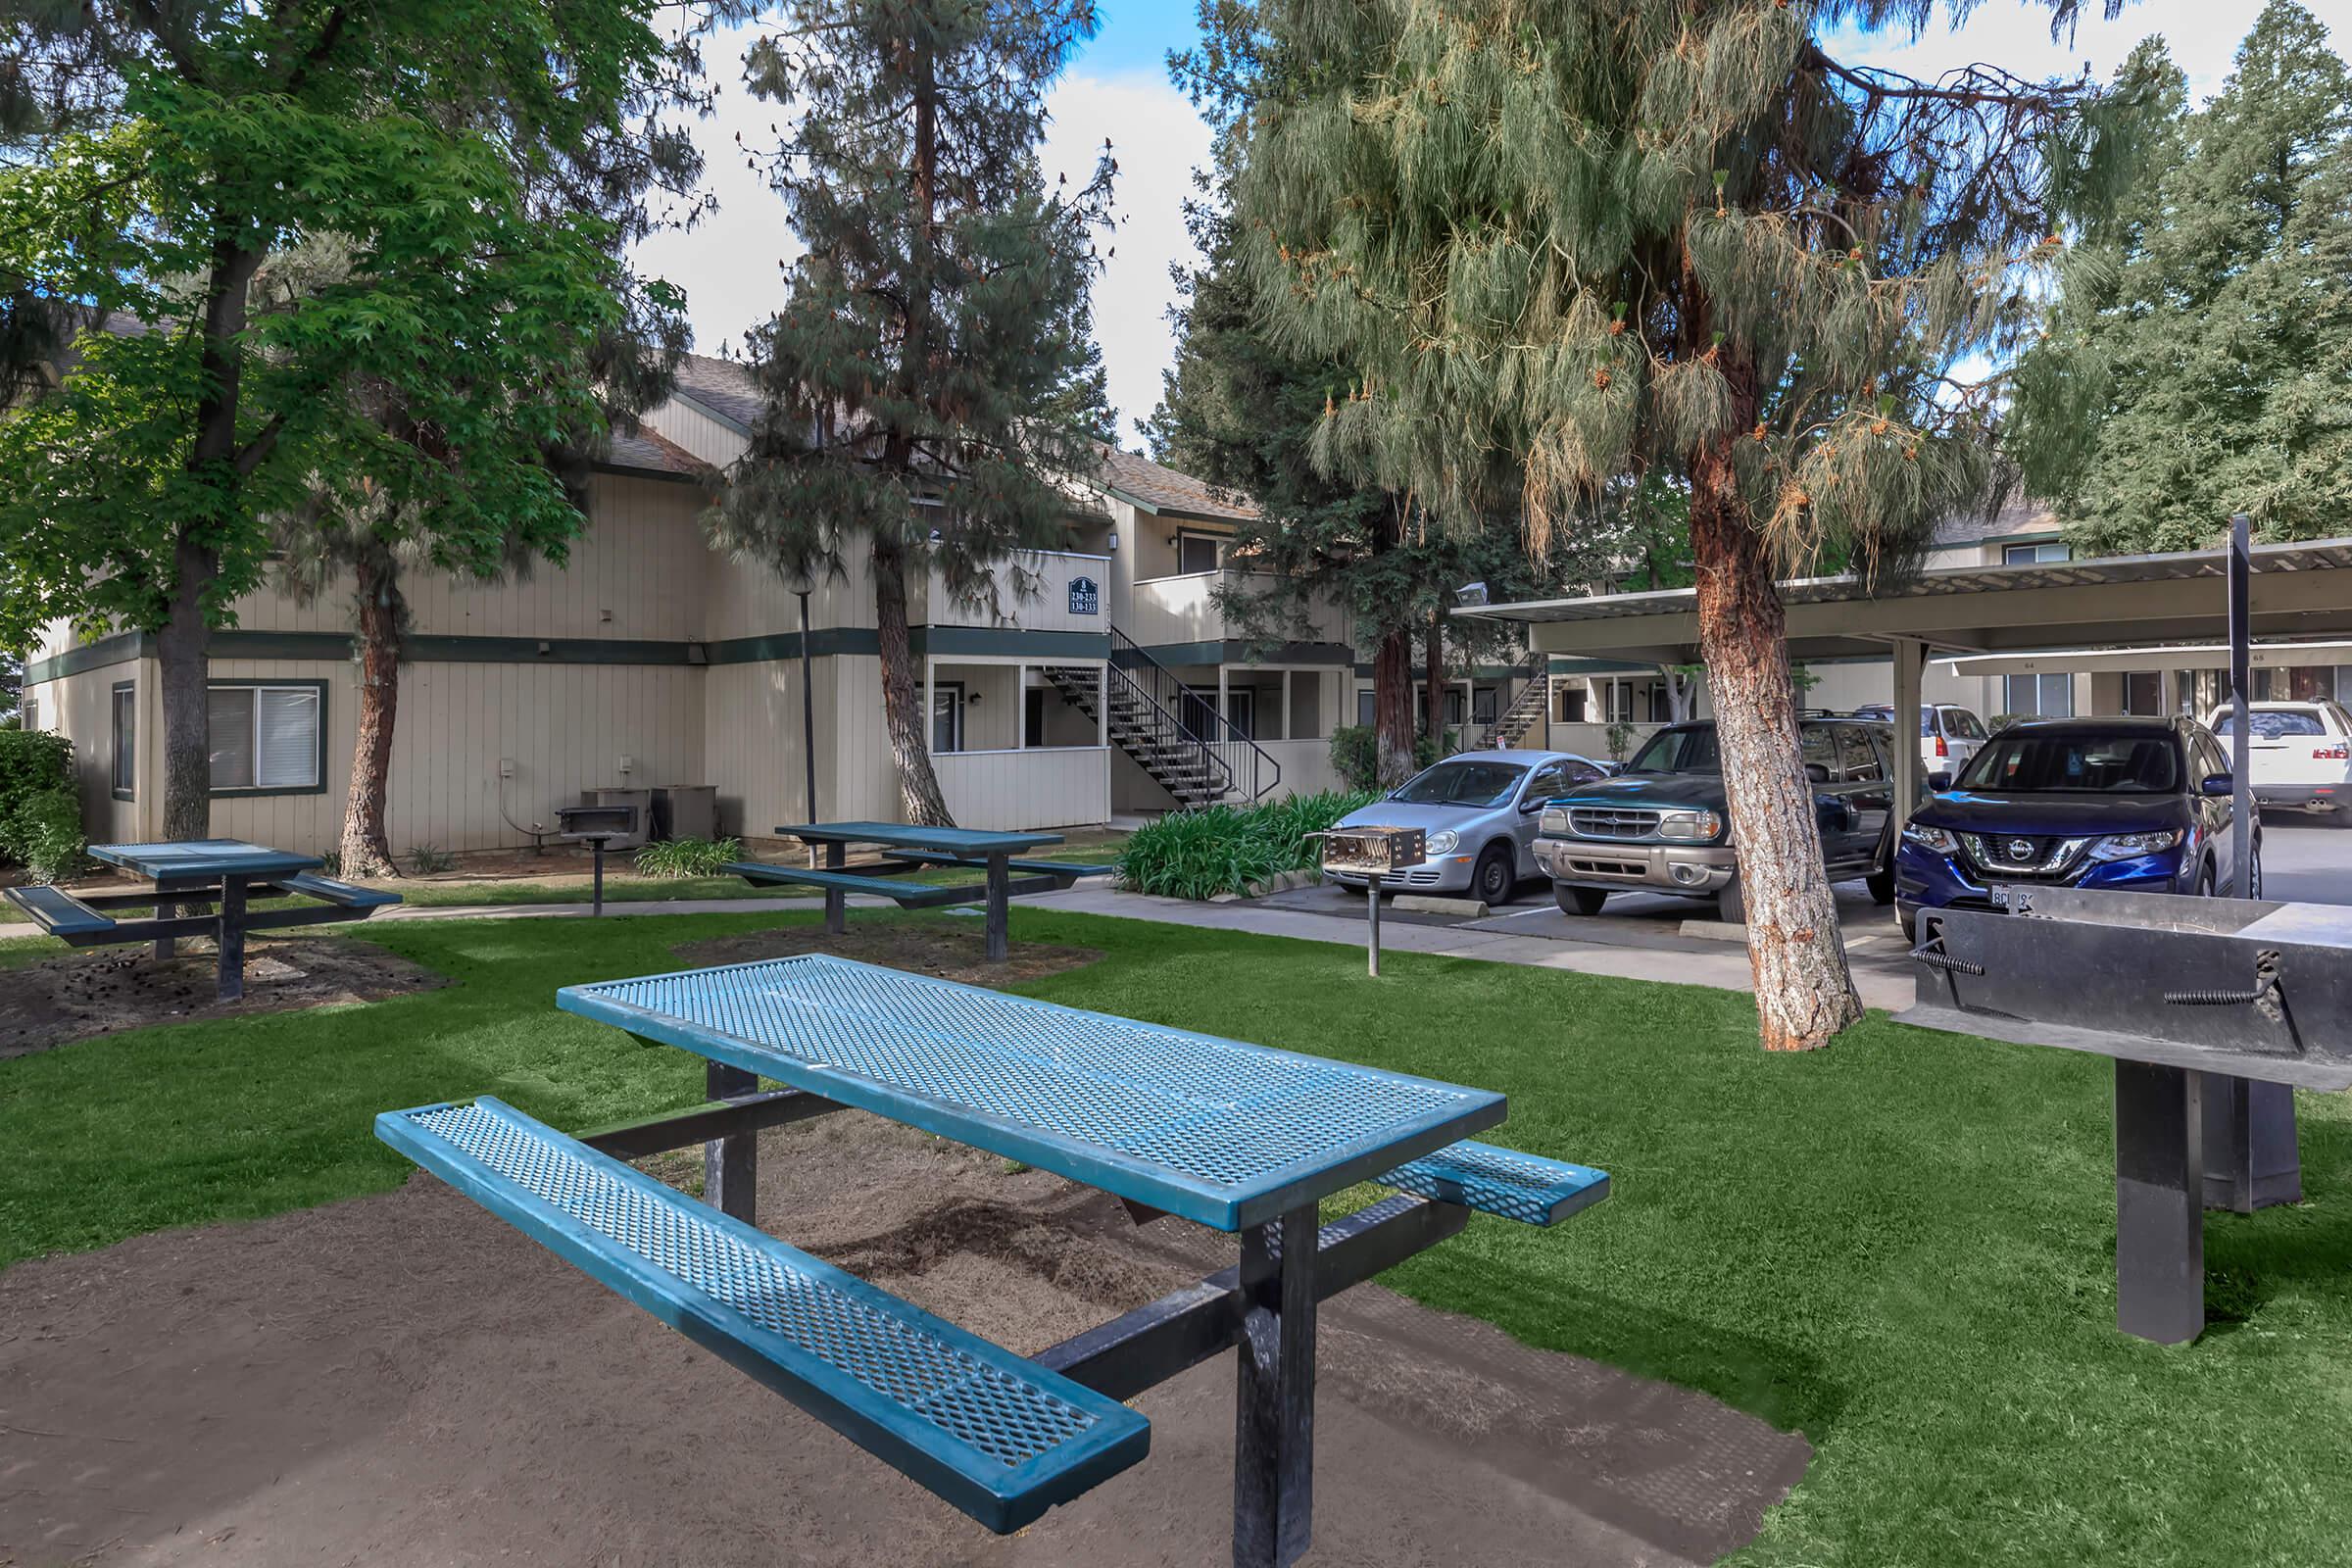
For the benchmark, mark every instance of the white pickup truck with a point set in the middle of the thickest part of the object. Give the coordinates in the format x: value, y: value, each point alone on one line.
x: 2301, y: 754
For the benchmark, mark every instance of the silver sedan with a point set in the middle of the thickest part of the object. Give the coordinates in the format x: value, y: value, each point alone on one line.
x: 1480, y: 810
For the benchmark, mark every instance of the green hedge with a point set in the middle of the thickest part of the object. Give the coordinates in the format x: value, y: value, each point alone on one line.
x: 40, y: 809
x: 685, y: 857
x: 1197, y: 854
x: 1356, y: 754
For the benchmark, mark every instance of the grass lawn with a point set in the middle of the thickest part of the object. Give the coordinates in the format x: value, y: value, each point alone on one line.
x: 1900, y: 1246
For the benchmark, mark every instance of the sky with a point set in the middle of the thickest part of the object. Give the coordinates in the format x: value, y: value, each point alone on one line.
x: 1117, y: 88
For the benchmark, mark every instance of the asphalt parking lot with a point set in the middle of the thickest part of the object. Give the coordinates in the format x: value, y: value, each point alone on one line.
x: 2302, y: 861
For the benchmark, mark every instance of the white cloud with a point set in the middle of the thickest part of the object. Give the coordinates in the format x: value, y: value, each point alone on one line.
x: 727, y: 263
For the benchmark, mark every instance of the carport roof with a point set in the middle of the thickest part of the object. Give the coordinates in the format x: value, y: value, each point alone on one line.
x: 2298, y: 590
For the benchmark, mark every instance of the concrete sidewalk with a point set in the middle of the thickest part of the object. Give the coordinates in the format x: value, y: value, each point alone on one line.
x: 1725, y: 969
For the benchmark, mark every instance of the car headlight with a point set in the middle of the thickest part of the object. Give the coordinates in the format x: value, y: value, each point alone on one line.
x: 1553, y: 821
x: 2124, y: 846
x: 1691, y: 827
x: 1934, y: 839
x: 1442, y: 843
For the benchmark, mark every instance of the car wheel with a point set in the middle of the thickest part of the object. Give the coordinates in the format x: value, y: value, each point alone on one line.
x: 2254, y: 872
x: 1578, y: 901
x: 1490, y: 878
x: 1731, y: 904
x: 2205, y: 881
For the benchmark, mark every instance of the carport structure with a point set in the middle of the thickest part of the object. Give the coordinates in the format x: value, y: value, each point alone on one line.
x: 2297, y: 593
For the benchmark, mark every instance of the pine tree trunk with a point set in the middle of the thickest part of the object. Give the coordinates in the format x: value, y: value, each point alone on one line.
x: 902, y: 694
x: 1393, y: 706
x: 366, y: 850
x: 1804, y: 992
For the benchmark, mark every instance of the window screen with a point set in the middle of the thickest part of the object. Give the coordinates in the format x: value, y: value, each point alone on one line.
x: 263, y: 737
x: 1195, y: 553
x: 126, y: 738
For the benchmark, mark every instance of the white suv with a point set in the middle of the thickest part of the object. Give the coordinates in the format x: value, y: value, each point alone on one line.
x: 2301, y: 753
x: 1948, y: 734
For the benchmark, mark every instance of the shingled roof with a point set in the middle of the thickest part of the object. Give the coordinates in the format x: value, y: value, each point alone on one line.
x: 722, y: 386
x: 1155, y: 487
x: 649, y: 452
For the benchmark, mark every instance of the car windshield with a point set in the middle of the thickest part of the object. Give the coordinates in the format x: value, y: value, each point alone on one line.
x: 2042, y: 762
x: 2272, y: 724
x: 1677, y: 751
x: 1459, y: 783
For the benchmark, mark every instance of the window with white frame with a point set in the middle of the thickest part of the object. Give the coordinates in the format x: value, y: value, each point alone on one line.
x: 947, y: 715
x: 267, y: 738
x: 30, y: 711
x: 2030, y: 555
x: 2051, y: 696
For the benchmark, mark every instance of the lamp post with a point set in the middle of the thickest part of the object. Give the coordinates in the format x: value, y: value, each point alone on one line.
x: 801, y: 585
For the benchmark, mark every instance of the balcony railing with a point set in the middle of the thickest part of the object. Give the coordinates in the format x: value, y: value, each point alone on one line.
x: 1070, y: 592
x: 1173, y: 610
x: 1037, y: 785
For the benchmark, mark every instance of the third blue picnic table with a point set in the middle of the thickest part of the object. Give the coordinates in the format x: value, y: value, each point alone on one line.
x: 914, y: 847
x: 1238, y: 1137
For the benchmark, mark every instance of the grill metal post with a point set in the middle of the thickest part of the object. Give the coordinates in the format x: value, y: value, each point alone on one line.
x: 1372, y: 923
x: 595, y: 903
x: 2159, y: 1203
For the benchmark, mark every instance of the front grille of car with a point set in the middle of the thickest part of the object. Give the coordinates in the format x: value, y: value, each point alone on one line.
x: 2023, y: 855
x: 1612, y: 822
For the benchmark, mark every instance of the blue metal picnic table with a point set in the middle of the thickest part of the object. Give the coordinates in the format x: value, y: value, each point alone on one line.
x: 1231, y: 1134
x: 222, y: 872
x: 954, y: 845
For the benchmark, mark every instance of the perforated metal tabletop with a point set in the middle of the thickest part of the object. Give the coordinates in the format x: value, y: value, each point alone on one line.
x: 196, y: 860
x: 1219, y: 1131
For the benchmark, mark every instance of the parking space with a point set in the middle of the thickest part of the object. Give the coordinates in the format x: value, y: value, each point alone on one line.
x: 2307, y: 861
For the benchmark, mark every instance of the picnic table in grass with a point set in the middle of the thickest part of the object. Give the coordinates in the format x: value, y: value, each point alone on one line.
x: 224, y: 874
x: 1230, y: 1134
x: 912, y: 849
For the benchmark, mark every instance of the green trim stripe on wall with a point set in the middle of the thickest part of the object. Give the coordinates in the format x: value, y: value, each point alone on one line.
x: 946, y: 642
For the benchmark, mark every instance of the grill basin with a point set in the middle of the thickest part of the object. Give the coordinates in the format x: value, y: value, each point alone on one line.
x: 1373, y: 850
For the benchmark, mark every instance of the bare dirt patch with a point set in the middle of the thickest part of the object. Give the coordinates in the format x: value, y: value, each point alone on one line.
x: 105, y: 989
x: 951, y: 947
x: 405, y: 1381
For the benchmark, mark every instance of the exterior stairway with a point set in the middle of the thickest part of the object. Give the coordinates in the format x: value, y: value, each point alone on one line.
x: 1159, y: 725
x: 1525, y: 711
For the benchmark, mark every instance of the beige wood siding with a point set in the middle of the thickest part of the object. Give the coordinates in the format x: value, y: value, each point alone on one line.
x: 751, y: 729
x: 1059, y: 787
x: 712, y: 440
x: 1046, y: 607
x: 1182, y: 609
x: 1306, y: 767
x: 80, y: 708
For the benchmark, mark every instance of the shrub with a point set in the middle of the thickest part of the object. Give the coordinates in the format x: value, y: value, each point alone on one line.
x: 40, y: 811
x: 1356, y: 754
x: 684, y: 857
x: 1198, y: 854
x: 426, y: 859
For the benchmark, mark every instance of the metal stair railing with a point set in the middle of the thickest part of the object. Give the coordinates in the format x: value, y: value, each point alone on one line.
x: 1189, y: 724
x: 1535, y: 670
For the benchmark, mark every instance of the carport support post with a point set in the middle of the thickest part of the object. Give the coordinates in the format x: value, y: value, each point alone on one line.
x: 1910, y: 656
x: 2251, y: 1155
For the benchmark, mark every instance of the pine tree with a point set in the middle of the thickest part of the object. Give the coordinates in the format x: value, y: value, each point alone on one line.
x: 2208, y: 369
x: 931, y: 386
x: 1570, y: 244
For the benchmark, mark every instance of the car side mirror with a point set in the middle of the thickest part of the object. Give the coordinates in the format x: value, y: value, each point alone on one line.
x: 2218, y: 784
x: 1818, y: 772
x: 1532, y: 804
x: 1939, y: 781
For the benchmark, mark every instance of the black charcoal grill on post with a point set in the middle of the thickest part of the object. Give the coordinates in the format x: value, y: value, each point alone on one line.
x: 2184, y: 994
x: 596, y: 826
x: 1373, y: 852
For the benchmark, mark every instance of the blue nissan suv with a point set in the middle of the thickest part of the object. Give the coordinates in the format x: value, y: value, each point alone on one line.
x: 2139, y: 804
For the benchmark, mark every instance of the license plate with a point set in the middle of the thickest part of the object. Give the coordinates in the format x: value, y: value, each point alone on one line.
x: 2000, y: 893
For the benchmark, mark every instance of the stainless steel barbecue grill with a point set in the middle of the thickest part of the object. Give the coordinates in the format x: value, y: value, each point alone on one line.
x: 598, y: 826
x: 2203, y: 1004
x: 1373, y: 851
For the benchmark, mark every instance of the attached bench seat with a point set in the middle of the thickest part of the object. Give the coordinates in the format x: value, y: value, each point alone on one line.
x: 1064, y: 873
x: 62, y: 914
x: 906, y: 895
x: 342, y: 893
x: 998, y: 1436
x: 1527, y: 1187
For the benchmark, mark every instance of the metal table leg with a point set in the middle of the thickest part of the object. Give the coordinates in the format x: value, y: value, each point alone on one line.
x: 1274, y: 1439
x: 230, y: 937
x: 164, y: 947
x: 2251, y: 1157
x: 731, y: 1165
x: 999, y: 917
x: 836, y: 902
x: 2159, y: 1203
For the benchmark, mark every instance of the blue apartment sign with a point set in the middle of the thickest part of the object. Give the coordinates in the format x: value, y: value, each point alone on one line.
x: 1085, y: 598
